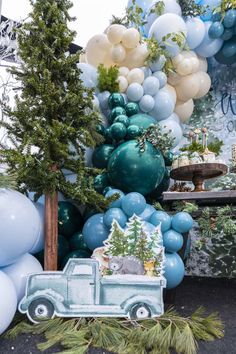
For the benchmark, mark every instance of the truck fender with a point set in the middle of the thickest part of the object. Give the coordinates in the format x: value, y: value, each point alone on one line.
x: 150, y: 301
x: 55, y: 298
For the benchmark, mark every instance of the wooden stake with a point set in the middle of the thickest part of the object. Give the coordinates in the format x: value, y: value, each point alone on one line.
x: 51, y: 231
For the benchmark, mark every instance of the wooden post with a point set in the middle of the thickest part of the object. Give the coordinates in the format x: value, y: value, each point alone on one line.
x: 51, y: 231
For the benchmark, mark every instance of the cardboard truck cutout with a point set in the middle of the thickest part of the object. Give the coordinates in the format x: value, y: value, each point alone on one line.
x: 80, y: 291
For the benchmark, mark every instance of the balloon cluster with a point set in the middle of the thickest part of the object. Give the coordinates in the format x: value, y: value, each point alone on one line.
x: 97, y: 228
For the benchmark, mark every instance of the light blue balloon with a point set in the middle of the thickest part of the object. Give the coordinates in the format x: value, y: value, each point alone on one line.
x: 117, y: 202
x: 148, y: 227
x: 228, y: 33
x: 196, y: 31
x: 144, y: 4
x: 164, y: 106
x: 216, y: 30
x: 230, y: 18
x: 161, y: 217
x: 175, y: 117
x: 158, y: 64
x: 95, y: 231
x: 135, y: 92
x: 147, y: 71
x: 147, y: 213
x: 20, y: 226
x: 229, y: 48
x: 209, y: 6
x: 171, y: 127
x: 182, y: 222
x: 151, y: 85
x: 173, y: 241
x: 39, y: 243
x: 133, y: 203
x: 209, y: 46
x: 89, y: 75
x: 31, y: 195
x: 115, y: 214
x: 162, y: 78
x: 103, y: 99
x: 174, y: 270
x: 146, y: 103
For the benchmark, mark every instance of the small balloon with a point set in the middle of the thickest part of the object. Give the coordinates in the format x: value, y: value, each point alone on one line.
x: 95, y: 232
x: 131, y: 109
x: 146, y: 104
x: 117, y: 202
x: 135, y: 92
x: 173, y: 241
x: 69, y: 219
x: 133, y: 203
x: 182, y: 222
x: 115, y: 214
x: 162, y: 217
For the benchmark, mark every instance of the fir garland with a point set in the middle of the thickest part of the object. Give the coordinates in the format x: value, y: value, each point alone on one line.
x: 156, y: 336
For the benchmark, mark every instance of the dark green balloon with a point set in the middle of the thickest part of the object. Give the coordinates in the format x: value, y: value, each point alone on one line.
x: 118, y: 131
x: 163, y: 186
x: 117, y: 111
x: 143, y: 121
x: 69, y: 219
x: 75, y: 254
x: 107, y: 136
x: 131, y: 108
x: 133, y: 131
x: 101, y: 155
x: 100, y: 182
x: 168, y: 157
x: 63, y: 248
x: 133, y: 171
x: 115, y: 100
x: 101, y: 129
x: 122, y: 119
x: 76, y: 242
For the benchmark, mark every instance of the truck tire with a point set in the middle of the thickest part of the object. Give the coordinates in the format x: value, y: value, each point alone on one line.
x: 40, y: 310
x: 140, y: 311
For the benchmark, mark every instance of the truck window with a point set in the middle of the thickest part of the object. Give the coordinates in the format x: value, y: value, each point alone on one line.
x: 82, y: 269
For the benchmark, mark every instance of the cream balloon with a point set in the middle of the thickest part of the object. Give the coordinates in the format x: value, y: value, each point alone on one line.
x: 98, y: 50
x: 174, y: 79
x: 135, y: 75
x: 123, y: 71
x: 131, y: 38
x: 172, y: 91
x: 195, y: 64
x: 184, y: 67
x: 188, y: 87
x: 204, y: 84
x: 135, y: 58
x: 203, y: 66
x: 118, y: 53
x: 115, y: 33
x: 184, y: 110
x: 123, y: 83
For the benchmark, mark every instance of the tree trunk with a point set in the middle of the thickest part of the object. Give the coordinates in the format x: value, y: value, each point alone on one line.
x: 51, y: 231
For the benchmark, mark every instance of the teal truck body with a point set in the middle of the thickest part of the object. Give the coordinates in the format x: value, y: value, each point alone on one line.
x: 80, y: 291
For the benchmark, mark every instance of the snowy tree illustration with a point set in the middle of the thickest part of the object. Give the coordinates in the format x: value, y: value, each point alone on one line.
x: 156, y: 239
x: 159, y: 263
x: 117, y: 243
x: 133, y: 232
x: 143, y: 248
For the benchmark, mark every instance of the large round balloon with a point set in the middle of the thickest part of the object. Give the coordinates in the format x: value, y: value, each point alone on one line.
x: 159, y: 29
x: 98, y: 50
x: 196, y: 32
x: 69, y: 219
x: 95, y: 231
x: 39, y: 243
x: 163, y: 186
x: 208, y: 46
x: 8, y: 301
x: 142, y: 121
x: 20, y: 226
x: 174, y: 270
x: 19, y: 271
x: 182, y: 222
x: 132, y: 170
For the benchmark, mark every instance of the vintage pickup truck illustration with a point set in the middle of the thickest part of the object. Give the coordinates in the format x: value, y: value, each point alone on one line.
x: 80, y: 291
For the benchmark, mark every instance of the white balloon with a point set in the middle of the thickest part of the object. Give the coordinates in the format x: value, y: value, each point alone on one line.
x: 204, y: 84
x: 118, y: 53
x: 184, y: 67
x: 184, y: 110
x: 123, y: 83
x: 123, y: 71
x: 196, y: 32
x: 188, y: 87
x: 115, y: 33
x: 135, y: 58
x: 135, y: 75
x: 8, y: 301
x: 131, y: 38
x: 98, y: 50
x: 19, y: 271
x: 174, y: 129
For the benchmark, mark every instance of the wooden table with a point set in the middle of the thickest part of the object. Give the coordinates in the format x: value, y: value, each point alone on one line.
x: 198, y: 173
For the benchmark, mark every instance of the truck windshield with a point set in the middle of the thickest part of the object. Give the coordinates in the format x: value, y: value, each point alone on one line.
x: 83, y: 269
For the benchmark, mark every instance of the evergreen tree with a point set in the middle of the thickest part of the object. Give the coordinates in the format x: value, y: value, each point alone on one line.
x: 159, y: 262
x: 143, y: 249
x: 53, y: 119
x: 116, y: 244
x: 134, y: 228
x: 156, y: 240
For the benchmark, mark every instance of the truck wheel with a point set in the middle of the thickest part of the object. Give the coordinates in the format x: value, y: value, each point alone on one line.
x: 140, y: 311
x: 40, y: 310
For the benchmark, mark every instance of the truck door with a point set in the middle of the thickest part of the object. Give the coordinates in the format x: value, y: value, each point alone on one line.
x: 81, y: 285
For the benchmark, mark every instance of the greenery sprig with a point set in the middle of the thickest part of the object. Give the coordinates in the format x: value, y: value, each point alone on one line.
x: 224, y: 7
x: 191, y: 9
x: 158, y: 8
x: 108, y: 78
x: 170, y: 331
x: 214, y: 146
x: 155, y: 136
x: 8, y: 181
x: 133, y: 17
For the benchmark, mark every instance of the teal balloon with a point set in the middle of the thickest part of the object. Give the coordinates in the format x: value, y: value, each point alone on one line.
x: 228, y: 33
x: 76, y: 242
x: 133, y: 203
x: 162, y: 217
x: 116, y: 100
x: 118, y: 131
x: 101, y: 129
x: 174, y: 270
x: 101, y: 182
x: 229, y: 48
x: 131, y: 109
x: 117, y: 111
x: 117, y: 202
x: 115, y: 214
x: 172, y: 241
x: 130, y: 170
x: 122, y: 119
x: 69, y: 219
x: 95, y: 231
x: 230, y: 18
x: 182, y: 222
x: 63, y: 248
x: 222, y: 59
x: 133, y: 131
x: 101, y: 155
x: 163, y: 186
x: 147, y: 213
x: 75, y: 254
x: 143, y: 121
x: 216, y: 30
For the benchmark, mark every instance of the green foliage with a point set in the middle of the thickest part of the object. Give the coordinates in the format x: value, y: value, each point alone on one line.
x: 134, y: 16
x: 155, y: 136
x: 156, y: 336
x: 53, y: 119
x: 8, y: 181
x: 188, y: 207
x: 108, y: 79
x: 158, y: 8
x: 191, y: 9
x: 224, y: 7
x: 214, y: 146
